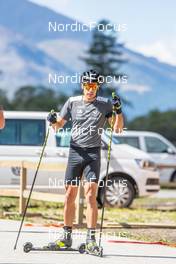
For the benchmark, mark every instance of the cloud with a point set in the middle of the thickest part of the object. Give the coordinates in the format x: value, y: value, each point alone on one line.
x: 165, y: 52
x: 135, y: 88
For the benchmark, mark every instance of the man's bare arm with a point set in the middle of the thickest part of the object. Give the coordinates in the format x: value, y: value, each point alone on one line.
x: 118, y: 123
x: 2, y: 120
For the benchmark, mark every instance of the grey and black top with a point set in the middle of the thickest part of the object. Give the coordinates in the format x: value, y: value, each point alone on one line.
x: 88, y: 119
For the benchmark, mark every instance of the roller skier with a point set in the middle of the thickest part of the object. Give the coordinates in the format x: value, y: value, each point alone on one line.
x: 88, y: 114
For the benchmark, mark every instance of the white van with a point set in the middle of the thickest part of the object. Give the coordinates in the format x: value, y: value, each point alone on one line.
x: 23, y: 137
x: 160, y: 149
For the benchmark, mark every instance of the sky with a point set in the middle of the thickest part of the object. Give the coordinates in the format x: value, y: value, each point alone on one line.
x: 151, y: 24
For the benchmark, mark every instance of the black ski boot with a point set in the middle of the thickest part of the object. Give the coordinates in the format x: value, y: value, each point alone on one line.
x: 65, y: 240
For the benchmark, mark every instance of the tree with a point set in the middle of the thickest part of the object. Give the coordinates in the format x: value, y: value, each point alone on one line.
x: 4, y: 101
x: 37, y: 99
x: 105, y: 56
x: 160, y: 122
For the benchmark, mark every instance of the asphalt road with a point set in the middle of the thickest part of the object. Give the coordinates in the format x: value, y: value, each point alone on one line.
x: 113, y: 253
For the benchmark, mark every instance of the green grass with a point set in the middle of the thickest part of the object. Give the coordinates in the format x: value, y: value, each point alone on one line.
x: 47, y: 210
x: 140, y: 216
x: 52, y: 211
x: 139, y: 212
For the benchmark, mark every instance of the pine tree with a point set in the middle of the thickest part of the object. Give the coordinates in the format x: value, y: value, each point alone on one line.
x: 105, y: 56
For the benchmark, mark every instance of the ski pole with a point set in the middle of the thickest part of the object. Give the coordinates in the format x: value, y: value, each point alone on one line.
x: 107, y: 169
x: 32, y: 186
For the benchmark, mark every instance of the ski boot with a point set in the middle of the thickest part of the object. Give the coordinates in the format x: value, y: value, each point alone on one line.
x: 65, y: 241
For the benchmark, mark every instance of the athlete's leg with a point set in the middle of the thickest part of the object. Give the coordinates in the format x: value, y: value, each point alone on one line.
x: 65, y: 240
x: 92, y: 210
x: 92, y: 172
x: 72, y: 177
x: 69, y: 204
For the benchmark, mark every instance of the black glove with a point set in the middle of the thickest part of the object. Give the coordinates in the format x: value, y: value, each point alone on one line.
x: 52, y: 117
x: 116, y: 103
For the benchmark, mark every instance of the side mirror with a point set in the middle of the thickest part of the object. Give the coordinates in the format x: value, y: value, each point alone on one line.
x: 170, y: 151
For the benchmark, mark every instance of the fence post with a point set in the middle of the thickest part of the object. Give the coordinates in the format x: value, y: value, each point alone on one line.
x: 23, y: 177
x: 80, y: 204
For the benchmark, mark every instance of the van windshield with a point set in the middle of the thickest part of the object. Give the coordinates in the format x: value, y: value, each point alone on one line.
x: 127, y: 139
x: 114, y: 138
x: 63, y: 138
x: 124, y: 139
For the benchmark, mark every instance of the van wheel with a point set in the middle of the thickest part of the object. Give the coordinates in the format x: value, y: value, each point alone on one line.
x: 119, y: 192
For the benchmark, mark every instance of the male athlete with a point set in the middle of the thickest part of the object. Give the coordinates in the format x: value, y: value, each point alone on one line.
x: 88, y: 114
x: 2, y: 120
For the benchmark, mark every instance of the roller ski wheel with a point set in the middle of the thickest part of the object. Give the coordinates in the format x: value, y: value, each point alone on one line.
x: 27, y: 247
x: 96, y: 251
x: 91, y: 249
x: 82, y: 248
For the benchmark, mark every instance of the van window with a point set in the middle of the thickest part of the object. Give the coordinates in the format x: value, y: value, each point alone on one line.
x: 63, y: 139
x: 155, y: 145
x: 63, y: 135
x: 132, y: 141
x: 24, y: 132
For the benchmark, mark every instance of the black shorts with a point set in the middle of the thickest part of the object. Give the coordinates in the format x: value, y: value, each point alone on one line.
x: 83, y: 161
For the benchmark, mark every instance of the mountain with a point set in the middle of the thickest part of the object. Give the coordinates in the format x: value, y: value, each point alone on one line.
x: 31, y: 21
x: 151, y: 84
x: 29, y: 52
x: 22, y: 63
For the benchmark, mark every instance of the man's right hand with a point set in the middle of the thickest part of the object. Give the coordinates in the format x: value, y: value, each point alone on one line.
x: 52, y: 118
x: 55, y: 121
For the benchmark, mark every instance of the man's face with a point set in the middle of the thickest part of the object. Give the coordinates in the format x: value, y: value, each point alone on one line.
x: 90, y: 90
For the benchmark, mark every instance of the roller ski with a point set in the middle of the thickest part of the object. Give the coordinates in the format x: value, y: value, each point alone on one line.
x: 82, y: 249
x: 64, y: 243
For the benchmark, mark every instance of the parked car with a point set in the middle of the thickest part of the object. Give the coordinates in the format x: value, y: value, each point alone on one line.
x: 158, y: 147
x: 132, y: 173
